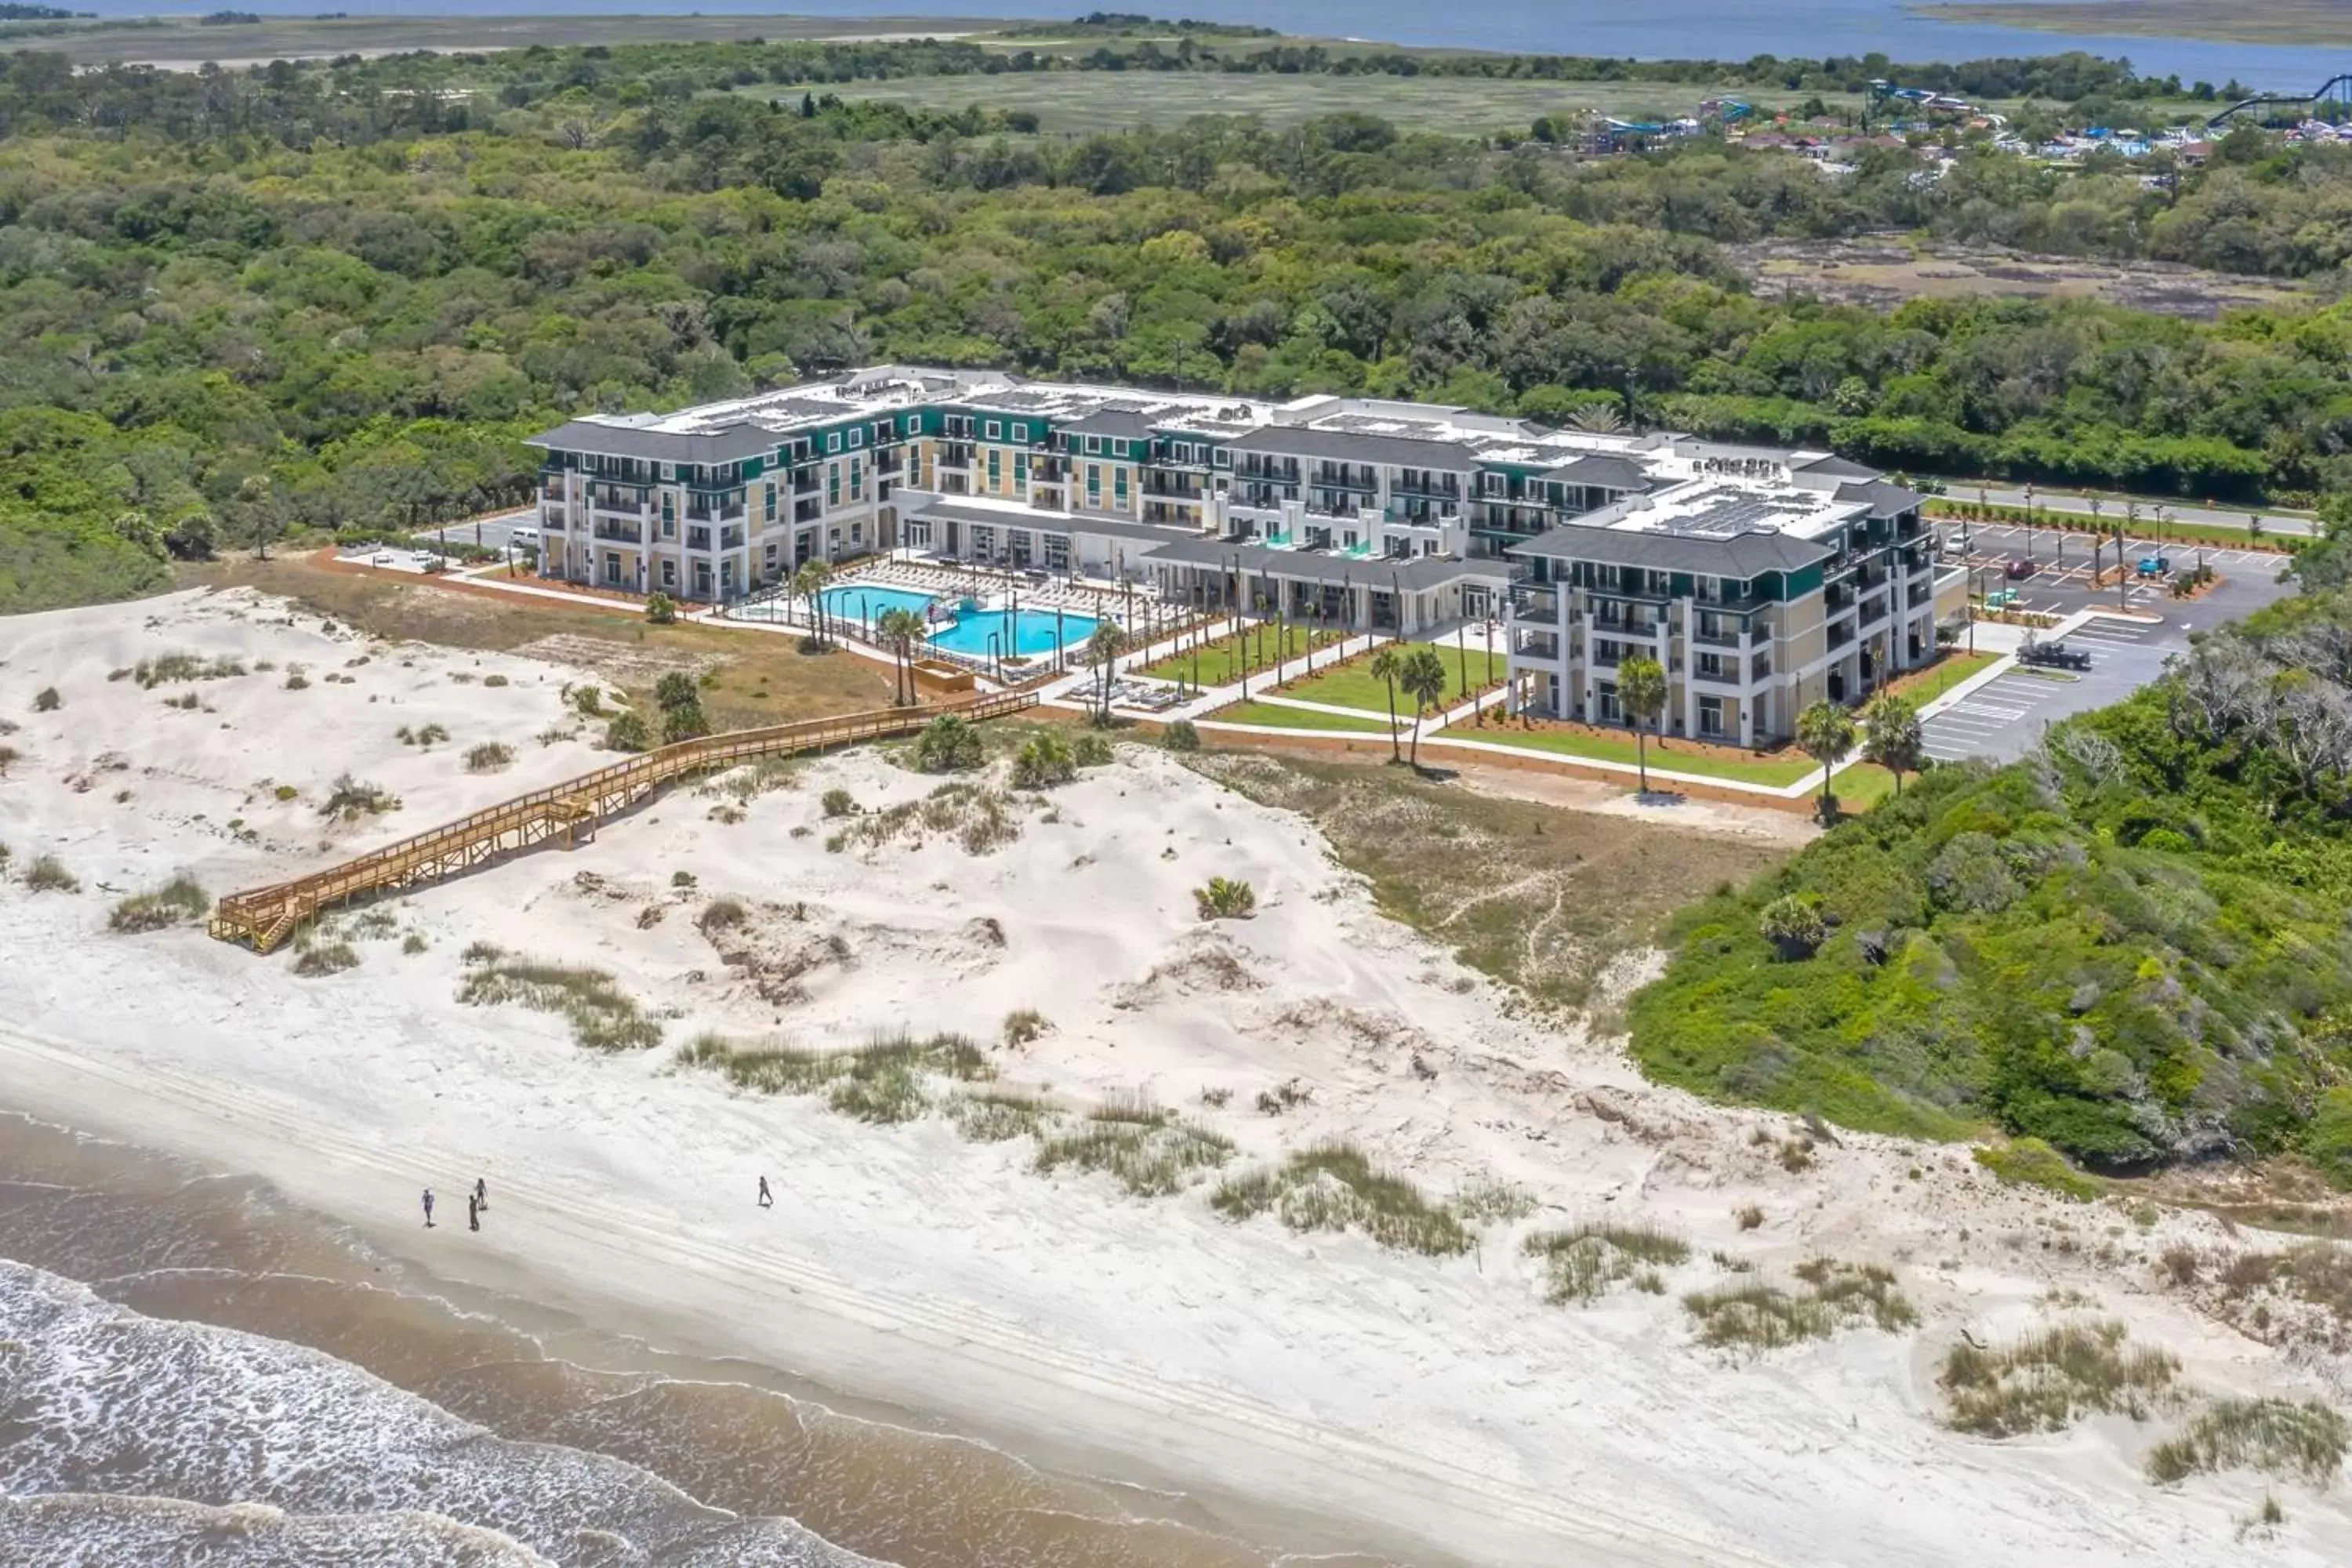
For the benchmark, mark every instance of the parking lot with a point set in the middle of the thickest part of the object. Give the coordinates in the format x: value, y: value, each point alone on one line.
x: 2002, y: 718
x: 2058, y: 567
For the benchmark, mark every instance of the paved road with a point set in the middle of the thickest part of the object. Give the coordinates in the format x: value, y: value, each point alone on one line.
x: 2112, y: 507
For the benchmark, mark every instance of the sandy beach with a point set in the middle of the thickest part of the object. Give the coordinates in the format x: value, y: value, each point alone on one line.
x: 1311, y: 1389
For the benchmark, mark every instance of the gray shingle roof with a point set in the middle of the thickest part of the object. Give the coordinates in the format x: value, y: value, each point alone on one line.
x: 1601, y: 471
x: 1128, y: 422
x: 1347, y: 447
x: 1053, y: 522
x: 1885, y: 499
x: 1838, y: 468
x: 1740, y: 556
x: 731, y: 445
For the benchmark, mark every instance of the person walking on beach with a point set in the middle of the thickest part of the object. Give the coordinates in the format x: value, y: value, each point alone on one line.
x: 473, y: 1213
x: 428, y: 1208
x: 481, y: 1194
x: 767, y: 1200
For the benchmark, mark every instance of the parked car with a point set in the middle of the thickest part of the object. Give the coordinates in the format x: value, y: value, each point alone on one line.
x: 2155, y: 565
x: 2018, y: 568
x: 2051, y: 655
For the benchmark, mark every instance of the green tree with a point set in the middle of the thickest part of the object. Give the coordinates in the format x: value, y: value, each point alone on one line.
x: 1642, y: 693
x: 809, y: 584
x: 1892, y: 736
x: 1423, y: 677
x: 1103, y: 649
x: 900, y: 630
x: 1825, y: 734
x: 1387, y: 664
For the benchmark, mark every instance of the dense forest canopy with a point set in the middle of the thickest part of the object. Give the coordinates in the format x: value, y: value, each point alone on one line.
x: 337, y: 295
x: 2131, y: 945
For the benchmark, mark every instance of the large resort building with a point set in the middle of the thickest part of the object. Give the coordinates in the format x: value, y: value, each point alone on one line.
x: 1762, y: 580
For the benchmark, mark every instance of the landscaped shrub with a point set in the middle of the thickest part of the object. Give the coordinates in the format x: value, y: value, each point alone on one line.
x: 661, y: 610
x: 949, y: 744
x: 1044, y: 759
x: 1181, y: 735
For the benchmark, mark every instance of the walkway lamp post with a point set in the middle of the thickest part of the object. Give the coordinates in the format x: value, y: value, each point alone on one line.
x: 995, y: 656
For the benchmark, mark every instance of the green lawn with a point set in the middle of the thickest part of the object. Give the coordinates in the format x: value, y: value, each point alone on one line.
x: 1671, y: 754
x: 1923, y: 686
x: 1275, y: 714
x: 1223, y: 662
x: 1352, y: 685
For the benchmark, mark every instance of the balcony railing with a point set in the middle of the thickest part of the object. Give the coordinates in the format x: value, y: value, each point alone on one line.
x: 616, y: 534
x: 1534, y: 604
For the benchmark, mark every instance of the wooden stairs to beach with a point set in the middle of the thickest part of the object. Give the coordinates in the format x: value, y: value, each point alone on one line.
x: 568, y: 812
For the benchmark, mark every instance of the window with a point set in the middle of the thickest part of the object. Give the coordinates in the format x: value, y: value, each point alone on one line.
x: 768, y: 555
x: 833, y: 442
x: 772, y: 504
x: 857, y: 438
x: 1221, y: 458
x: 911, y: 426
x: 669, y: 470
x: 1710, y: 715
x: 1020, y: 469
x: 857, y: 532
x: 833, y: 484
x: 983, y: 540
x: 1020, y: 430
x: 856, y: 479
x: 669, y: 573
x: 1094, y: 444
x: 1094, y: 484
x: 994, y: 430
x: 995, y: 468
x: 1118, y: 488
x: 1058, y: 553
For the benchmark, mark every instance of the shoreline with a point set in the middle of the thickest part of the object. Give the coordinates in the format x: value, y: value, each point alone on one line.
x: 932, y: 1372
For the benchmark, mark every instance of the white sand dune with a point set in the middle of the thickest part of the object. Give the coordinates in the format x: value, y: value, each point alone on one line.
x: 1317, y: 1387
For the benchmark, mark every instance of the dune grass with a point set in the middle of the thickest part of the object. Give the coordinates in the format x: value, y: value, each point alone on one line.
x: 1150, y: 1151
x: 881, y: 1081
x: 602, y: 1016
x: 181, y: 899
x: 165, y: 668
x: 1752, y: 1316
x: 2302, y: 1441
x: 2048, y: 1381
x: 1582, y: 1262
x: 1335, y: 1186
x: 999, y: 1116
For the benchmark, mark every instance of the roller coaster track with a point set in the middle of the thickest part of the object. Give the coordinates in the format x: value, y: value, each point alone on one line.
x: 568, y: 812
x: 2335, y: 88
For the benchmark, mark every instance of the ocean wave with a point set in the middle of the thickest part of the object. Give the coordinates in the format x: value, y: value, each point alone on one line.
x: 95, y: 1531
x: 100, y: 1399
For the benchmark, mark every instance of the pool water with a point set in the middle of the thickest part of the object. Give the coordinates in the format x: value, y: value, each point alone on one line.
x: 1031, y: 633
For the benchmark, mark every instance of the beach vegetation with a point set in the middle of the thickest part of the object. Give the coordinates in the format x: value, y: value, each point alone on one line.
x: 47, y: 700
x: 48, y: 874
x: 1044, y: 761
x: 9, y: 757
x: 181, y: 899
x: 1582, y: 1262
x: 602, y: 1015
x: 837, y: 802
x: 488, y: 757
x: 1337, y: 1186
x: 661, y: 610
x: 1225, y: 899
x: 352, y: 798
x: 1484, y: 1200
x: 722, y: 914
x: 1181, y: 735
x: 978, y: 818
x: 2049, y: 1379
x: 2125, y: 948
x: 164, y: 670
x: 413, y: 944
x: 1751, y: 1316
x: 628, y: 732
x: 313, y: 959
x: 1024, y: 1027
x: 2300, y: 1440
x: 949, y: 744
x: 999, y: 1115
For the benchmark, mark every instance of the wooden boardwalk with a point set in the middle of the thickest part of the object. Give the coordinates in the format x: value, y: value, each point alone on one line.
x: 568, y: 813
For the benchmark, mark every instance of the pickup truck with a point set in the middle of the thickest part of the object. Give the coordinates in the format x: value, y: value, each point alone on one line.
x: 2053, y: 656
x: 2155, y: 565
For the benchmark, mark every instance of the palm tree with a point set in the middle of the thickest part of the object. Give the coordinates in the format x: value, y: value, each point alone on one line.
x: 1891, y: 735
x: 902, y: 629
x: 1423, y: 679
x: 809, y: 584
x: 1103, y: 649
x: 1642, y: 693
x: 1387, y: 664
x: 1825, y: 734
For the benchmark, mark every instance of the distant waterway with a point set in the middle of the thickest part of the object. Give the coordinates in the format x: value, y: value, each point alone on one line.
x: 1660, y: 29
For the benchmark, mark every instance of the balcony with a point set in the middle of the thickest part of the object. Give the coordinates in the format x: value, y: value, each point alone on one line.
x: 1534, y: 643
x: 1344, y: 478
x: 1272, y: 473
x: 1726, y: 636
x: 1841, y: 635
x: 1531, y: 602
x: 698, y: 539
x: 731, y: 539
x: 550, y: 518
x: 806, y: 482
x: 620, y: 534
x: 955, y: 455
x: 1412, y: 484
x: 807, y: 511
x: 1874, y: 610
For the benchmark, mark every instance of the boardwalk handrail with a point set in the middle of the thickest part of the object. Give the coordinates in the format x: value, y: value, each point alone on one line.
x: 260, y: 915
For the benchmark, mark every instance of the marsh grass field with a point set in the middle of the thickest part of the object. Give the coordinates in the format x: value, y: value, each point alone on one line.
x: 2315, y: 22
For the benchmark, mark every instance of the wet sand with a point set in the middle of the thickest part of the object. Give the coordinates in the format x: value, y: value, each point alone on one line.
x: 747, y: 1448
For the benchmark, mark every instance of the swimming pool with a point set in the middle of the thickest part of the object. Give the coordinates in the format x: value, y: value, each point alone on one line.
x: 979, y: 633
